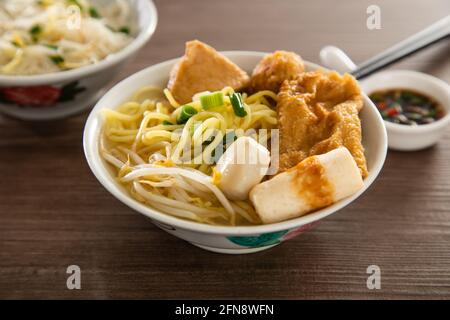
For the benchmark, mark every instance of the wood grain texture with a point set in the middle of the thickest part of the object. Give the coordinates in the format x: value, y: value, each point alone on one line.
x: 53, y: 212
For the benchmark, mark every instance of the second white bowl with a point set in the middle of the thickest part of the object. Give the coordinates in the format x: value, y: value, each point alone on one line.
x: 61, y: 94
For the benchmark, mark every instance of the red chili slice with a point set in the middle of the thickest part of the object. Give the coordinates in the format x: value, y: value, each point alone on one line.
x: 381, y: 105
x: 391, y: 112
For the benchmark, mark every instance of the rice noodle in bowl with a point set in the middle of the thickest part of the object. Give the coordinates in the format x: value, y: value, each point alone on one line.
x: 46, y: 36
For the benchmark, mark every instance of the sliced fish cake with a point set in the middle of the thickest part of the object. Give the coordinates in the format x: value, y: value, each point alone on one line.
x: 202, y: 68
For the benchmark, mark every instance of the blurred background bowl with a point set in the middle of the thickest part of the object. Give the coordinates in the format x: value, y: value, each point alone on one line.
x: 58, y: 95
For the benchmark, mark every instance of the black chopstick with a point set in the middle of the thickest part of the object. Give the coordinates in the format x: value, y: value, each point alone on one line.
x: 437, y: 32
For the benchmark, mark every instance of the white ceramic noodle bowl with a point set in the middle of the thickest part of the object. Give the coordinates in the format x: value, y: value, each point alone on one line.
x: 87, y: 83
x: 240, y: 239
x: 400, y: 137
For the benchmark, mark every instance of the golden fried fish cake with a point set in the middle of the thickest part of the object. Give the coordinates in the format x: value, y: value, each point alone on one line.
x: 202, y: 68
x: 318, y: 112
x: 273, y: 69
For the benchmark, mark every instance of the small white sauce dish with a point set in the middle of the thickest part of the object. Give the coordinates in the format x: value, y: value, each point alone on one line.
x: 400, y: 137
x: 224, y: 239
x: 86, y: 84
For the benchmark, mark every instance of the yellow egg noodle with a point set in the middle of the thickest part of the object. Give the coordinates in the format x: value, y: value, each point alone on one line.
x: 44, y: 36
x: 155, y: 158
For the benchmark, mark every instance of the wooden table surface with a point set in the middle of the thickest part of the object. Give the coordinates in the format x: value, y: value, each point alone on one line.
x: 53, y: 212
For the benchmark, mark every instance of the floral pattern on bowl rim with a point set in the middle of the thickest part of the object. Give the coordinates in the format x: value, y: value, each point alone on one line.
x: 40, y: 96
x: 272, y: 238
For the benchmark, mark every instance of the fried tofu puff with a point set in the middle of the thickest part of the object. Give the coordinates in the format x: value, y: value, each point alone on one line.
x: 273, y: 69
x: 202, y: 68
x: 318, y: 112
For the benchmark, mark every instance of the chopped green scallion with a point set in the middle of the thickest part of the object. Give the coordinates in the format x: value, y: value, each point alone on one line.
x: 35, y: 31
x: 58, y: 60
x: 125, y: 30
x: 212, y: 100
x: 187, y: 112
x: 238, y: 105
x: 94, y: 13
x: 51, y: 46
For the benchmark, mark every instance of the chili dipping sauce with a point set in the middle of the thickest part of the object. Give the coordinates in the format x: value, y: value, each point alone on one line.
x: 404, y: 106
